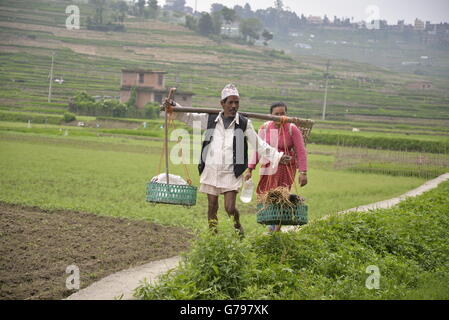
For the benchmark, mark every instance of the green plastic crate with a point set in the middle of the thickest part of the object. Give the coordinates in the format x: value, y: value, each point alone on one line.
x: 274, y: 214
x: 171, y: 193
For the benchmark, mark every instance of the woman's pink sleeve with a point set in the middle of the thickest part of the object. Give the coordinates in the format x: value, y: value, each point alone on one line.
x: 255, y: 157
x: 300, y: 149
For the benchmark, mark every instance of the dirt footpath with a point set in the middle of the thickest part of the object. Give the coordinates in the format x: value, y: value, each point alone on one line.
x: 37, y: 246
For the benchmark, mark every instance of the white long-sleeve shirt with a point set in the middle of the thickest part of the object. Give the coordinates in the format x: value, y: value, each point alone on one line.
x: 219, y: 169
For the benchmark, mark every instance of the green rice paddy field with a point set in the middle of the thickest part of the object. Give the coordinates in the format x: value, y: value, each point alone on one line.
x: 106, y: 175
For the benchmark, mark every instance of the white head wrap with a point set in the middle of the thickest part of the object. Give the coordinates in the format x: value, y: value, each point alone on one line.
x: 229, y: 90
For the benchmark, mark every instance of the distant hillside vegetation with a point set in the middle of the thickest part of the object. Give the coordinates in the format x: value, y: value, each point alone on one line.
x: 91, y: 61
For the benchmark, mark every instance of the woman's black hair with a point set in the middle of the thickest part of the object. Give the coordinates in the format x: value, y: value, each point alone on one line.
x: 278, y: 104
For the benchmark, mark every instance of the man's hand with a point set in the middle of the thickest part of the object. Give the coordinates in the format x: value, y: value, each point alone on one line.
x: 248, y: 174
x: 285, y: 159
x: 302, y: 179
x: 168, y: 105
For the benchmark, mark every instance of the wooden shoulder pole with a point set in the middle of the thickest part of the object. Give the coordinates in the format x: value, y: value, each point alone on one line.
x: 298, y: 121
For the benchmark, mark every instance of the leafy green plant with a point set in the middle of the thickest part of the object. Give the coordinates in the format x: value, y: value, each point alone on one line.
x: 115, y: 108
x: 85, y: 104
x: 69, y: 117
x: 151, y: 110
x: 218, y: 267
x: 327, y: 259
x: 132, y: 98
x: 82, y: 96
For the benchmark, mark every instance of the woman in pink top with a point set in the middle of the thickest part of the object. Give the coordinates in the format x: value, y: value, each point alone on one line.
x: 289, y: 141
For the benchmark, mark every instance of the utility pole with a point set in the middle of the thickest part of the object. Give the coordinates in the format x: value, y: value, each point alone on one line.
x: 325, y: 89
x: 51, y: 77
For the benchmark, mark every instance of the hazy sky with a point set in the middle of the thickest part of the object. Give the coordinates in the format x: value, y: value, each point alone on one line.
x: 391, y: 10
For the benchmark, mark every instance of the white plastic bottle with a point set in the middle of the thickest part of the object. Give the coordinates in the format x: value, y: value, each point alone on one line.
x: 247, y: 191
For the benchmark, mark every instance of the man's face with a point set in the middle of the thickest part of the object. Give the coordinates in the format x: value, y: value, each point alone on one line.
x: 231, y: 106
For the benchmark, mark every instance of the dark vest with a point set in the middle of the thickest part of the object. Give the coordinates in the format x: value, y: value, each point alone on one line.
x: 239, y: 131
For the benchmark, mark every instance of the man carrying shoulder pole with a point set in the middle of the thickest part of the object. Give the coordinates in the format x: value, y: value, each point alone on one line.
x: 224, y: 154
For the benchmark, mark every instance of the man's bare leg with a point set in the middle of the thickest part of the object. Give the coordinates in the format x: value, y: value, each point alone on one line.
x: 212, y: 212
x: 229, y: 202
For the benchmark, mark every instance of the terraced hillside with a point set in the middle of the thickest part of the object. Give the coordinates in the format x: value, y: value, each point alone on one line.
x: 30, y: 31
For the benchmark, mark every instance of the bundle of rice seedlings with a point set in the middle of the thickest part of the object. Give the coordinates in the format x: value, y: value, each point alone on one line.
x: 280, y: 196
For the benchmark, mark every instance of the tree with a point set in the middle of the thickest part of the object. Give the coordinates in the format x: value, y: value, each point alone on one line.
x: 217, y: 19
x: 244, y: 12
x: 336, y: 21
x: 121, y: 8
x: 179, y: 5
x: 141, y: 7
x: 229, y: 15
x: 151, y: 110
x: 132, y: 98
x: 250, y: 28
x: 191, y: 23
x: 216, y: 7
x: 278, y: 4
x: 69, y: 117
x: 153, y: 4
x: 154, y: 8
x: 267, y: 35
x: 239, y: 11
x: 99, y: 9
x: 205, y: 24
x: 89, y: 21
x: 248, y: 12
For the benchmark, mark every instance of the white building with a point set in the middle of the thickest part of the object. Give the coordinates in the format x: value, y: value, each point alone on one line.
x: 303, y: 45
x: 419, y: 25
x: 315, y: 19
x: 231, y: 30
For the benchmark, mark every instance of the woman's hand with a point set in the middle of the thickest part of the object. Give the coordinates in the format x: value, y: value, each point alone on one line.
x: 248, y: 174
x: 302, y: 179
